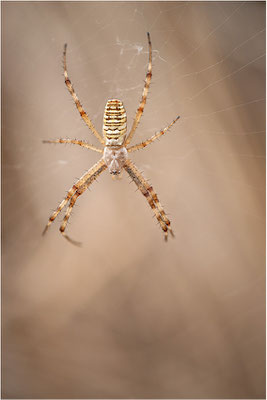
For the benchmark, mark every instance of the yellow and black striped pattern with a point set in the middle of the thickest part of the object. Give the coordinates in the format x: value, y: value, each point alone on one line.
x: 114, y: 123
x: 115, y: 149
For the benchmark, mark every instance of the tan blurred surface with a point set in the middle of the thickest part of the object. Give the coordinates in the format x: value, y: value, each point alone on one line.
x: 127, y: 315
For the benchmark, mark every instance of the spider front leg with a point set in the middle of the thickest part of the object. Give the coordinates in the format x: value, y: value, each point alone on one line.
x: 140, y: 110
x: 85, y: 180
x: 152, y: 198
x: 77, y: 101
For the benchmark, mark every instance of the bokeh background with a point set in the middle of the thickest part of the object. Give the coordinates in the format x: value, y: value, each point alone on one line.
x: 128, y: 315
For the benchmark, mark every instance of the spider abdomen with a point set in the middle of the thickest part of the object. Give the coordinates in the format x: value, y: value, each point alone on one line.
x: 114, y: 123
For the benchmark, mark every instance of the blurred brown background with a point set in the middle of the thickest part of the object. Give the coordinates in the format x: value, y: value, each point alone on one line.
x: 127, y: 315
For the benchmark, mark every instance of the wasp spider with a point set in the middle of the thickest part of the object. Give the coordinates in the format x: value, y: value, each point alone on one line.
x: 115, y: 152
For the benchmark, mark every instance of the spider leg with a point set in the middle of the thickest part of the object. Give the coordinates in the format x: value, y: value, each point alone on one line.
x: 67, y: 215
x: 77, y: 102
x: 95, y: 172
x: 75, y: 141
x: 152, y: 198
x: 150, y: 140
x: 92, y: 173
x: 140, y: 110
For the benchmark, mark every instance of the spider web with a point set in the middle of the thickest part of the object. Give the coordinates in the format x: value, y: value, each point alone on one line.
x: 209, y: 171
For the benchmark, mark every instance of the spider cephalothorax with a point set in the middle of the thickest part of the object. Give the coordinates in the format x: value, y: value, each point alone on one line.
x: 115, y: 159
x: 115, y: 149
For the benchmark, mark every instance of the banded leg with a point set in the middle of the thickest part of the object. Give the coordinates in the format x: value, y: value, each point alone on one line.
x: 154, y: 137
x: 149, y: 193
x: 67, y: 215
x: 75, y: 141
x: 140, y: 110
x: 95, y: 172
x: 77, y: 102
x: 96, y: 169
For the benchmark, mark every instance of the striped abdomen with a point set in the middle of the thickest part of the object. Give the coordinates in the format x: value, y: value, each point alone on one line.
x: 115, y: 123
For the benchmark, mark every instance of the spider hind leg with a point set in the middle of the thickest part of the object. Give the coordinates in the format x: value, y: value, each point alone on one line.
x: 151, y: 197
x: 80, y: 186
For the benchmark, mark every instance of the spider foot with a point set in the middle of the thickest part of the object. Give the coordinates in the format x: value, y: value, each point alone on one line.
x: 166, y: 234
x: 45, y: 229
x: 171, y: 232
x: 79, y: 244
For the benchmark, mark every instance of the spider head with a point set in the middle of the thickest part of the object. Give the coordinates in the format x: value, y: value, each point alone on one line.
x: 114, y: 123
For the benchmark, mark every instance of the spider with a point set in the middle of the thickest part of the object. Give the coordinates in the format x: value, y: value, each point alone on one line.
x: 115, y: 150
